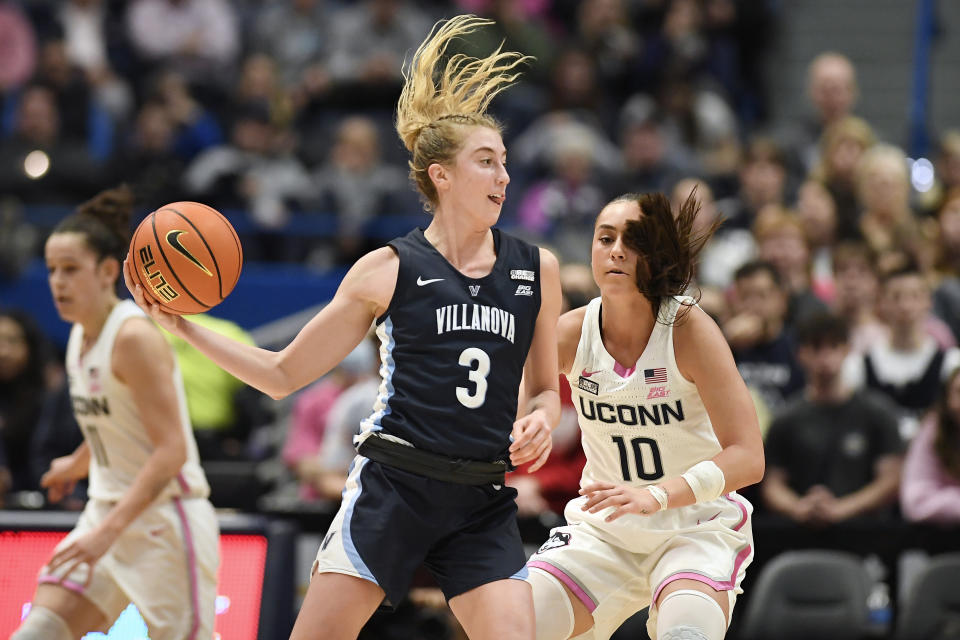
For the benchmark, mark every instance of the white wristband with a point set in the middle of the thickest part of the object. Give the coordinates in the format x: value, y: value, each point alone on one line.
x: 659, y: 494
x: 706, y: 480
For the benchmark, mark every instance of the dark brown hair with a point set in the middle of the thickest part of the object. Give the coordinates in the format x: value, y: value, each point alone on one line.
x: 104, y: 222
x: 667, y: 246
x: 946, y: 442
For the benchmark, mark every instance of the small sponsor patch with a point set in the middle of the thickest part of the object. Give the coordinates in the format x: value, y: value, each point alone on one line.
x: 524, y: 290
x: 521, y: 274
x: 658, y: 392
x: 557, y: 540
x: 588, y: 385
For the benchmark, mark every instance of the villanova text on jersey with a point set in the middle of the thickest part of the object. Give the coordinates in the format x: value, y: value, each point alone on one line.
x: 453, y: 348
x: 476, y: 317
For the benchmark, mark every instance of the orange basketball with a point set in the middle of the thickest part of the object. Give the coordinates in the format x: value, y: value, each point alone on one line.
x: 186, y: 256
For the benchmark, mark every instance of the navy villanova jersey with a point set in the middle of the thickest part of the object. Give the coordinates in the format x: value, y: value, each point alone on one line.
x: 453, y: 348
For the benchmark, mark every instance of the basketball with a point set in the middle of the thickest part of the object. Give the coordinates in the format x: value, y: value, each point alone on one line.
x: 186, y: 256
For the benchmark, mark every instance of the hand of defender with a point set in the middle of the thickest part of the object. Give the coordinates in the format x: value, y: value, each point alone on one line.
x: 623, y: 499
x: 531, y: 440
x: 168, y: 321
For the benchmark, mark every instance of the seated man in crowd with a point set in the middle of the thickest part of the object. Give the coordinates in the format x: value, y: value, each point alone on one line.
x: 834, y: 453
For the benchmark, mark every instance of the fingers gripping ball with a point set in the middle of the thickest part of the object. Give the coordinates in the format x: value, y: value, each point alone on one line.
x: 186, y: 256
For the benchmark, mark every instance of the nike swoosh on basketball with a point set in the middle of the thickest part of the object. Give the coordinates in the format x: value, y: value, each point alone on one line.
x: 587, y: 374
x: 421, y: 281
x: 173, y: 239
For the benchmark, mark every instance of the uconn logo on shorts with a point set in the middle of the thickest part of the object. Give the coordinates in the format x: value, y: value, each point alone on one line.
x: 557, y: 540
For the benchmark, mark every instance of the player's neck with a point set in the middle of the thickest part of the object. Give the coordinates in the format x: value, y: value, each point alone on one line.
x: 94, y: 324
x: 626, y: 321
x: 468, y: 250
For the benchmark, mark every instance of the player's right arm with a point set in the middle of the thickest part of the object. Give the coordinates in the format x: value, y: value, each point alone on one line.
x: 363, y: 295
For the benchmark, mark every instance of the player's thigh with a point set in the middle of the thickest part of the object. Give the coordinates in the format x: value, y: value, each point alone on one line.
x: 336, y: 607
x: 502, y: 609
x: 722, y: 598
x: 80, y: 614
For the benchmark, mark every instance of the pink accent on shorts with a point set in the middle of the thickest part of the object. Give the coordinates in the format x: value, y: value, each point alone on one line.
x: 622, y: 371
x: 724, y: 585
x: 191, y: 567
x: 66, y: 584
x: 567, y: 580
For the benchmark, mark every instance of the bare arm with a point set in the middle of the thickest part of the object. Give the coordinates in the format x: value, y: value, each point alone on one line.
x: 323, y: 342
x: 704, y: 357
x: 60, y: 479
x: 541, y: 409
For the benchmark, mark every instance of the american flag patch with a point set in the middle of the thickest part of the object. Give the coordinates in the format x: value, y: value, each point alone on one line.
x: 655, y: 376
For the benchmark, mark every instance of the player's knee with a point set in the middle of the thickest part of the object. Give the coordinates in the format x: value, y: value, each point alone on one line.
x: 43, y: 624
x: 554, y: 613
x: 687, y: 614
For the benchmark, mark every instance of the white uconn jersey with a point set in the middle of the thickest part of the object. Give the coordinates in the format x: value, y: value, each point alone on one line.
x: 111, y: 425
x: 639, y: 425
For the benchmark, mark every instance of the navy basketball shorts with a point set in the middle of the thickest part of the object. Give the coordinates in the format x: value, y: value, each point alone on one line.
x: 391, y: 521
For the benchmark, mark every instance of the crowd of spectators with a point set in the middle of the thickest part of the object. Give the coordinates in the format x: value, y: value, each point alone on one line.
x: 835, y: 281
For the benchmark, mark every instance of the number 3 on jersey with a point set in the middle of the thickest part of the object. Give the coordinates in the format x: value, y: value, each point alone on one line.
x: 478, y: 362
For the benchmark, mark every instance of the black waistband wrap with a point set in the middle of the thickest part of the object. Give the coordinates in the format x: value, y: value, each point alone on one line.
x: 431, y: 465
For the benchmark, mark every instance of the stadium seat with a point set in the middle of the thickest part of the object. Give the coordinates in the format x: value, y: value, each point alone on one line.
x: 932, y: 610
x: 808, y: 594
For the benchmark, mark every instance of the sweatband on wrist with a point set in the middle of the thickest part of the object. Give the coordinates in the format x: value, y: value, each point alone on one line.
x: 659, y: 494
x: 706, y: 480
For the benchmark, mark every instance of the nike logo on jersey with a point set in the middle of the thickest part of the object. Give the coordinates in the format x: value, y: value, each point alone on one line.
x: 421, y: 281
x: 587, y: 374
x: 173, y: 239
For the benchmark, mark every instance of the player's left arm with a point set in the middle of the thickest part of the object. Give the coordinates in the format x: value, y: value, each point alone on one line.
x: 541, y: 410
x: 143, y: 361
x: 704, y: 358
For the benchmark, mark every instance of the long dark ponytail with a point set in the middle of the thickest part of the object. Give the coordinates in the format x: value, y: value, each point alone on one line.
x: 667, y: 246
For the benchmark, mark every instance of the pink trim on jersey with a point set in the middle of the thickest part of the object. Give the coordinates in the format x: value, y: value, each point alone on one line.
x: 191, y: 567
x: 723, y: 585
x: 567, y: 580
x: 183, y: 484
x: 66, y: 584
x: 622, y: 371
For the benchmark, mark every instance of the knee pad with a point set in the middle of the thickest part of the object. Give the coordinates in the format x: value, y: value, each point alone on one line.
x: 687, y: 614
x: 43, y: 624
x: 551, y: 604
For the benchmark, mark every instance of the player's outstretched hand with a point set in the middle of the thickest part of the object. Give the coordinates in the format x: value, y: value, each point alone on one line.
x: 168, y: 321
x: 531, y: 440
x: 623, y: 499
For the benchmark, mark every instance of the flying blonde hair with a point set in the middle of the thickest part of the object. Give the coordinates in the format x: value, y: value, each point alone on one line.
x: 437, y: 100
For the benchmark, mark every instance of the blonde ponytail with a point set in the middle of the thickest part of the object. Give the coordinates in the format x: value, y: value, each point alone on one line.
x: 436, y: 101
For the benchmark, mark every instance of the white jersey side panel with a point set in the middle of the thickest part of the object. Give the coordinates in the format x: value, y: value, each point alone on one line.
x: 111, y: 425
x: 639, y: 425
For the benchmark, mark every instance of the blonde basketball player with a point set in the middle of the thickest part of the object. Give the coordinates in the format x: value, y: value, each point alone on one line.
x: 147, y: 535
x: 670, y: 433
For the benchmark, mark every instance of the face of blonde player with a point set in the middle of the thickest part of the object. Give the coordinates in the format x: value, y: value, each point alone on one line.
x: 614, y: 264
x: 477, y: 179
x: 82, y: 286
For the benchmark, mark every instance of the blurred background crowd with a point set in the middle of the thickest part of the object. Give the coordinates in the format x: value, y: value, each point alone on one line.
x: 835, y: 275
